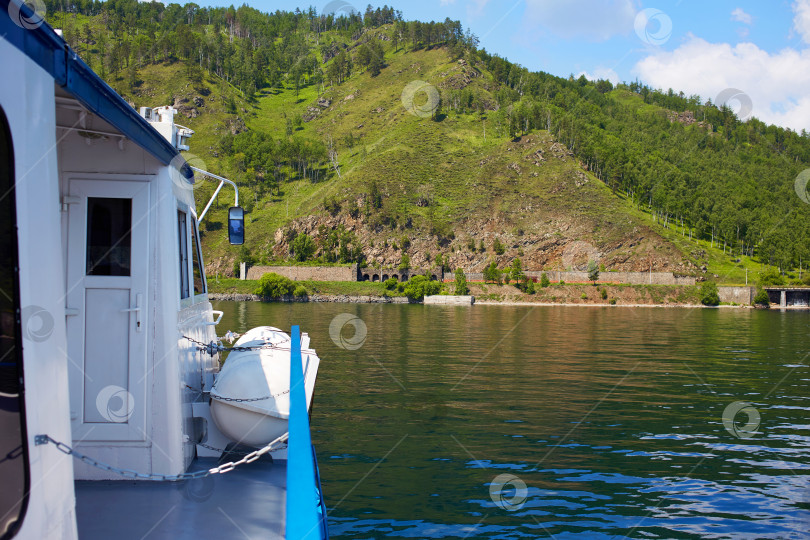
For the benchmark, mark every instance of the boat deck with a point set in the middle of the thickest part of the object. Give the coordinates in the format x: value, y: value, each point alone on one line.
x: 248, y: 502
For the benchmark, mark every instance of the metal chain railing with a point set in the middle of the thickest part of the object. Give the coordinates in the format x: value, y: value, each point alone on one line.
x: 214, y: 347
x: 234, y: 452
x: 243, y: 400
x: 238, y: 400
x: 277, y: 444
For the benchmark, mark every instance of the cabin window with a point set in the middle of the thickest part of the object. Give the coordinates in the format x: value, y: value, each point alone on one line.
x: 13, y: 446
x: 182, y: 235
x: 199, y: 273
x: 109, y: 243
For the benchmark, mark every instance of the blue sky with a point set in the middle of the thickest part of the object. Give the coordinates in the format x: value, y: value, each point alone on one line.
x: 759, y: 50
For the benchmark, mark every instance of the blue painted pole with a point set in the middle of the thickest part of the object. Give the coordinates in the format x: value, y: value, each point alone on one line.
x: 303, y: 520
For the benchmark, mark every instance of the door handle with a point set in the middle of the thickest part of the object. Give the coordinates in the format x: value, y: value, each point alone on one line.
x: 137, y: 311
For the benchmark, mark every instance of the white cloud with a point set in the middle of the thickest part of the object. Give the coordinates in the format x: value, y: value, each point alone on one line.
x: 801, y: 20
x: 741, y: 16
x: 475, y: 8
x: 775, y: 82
x: 601, y: 73
x: 595, y: 21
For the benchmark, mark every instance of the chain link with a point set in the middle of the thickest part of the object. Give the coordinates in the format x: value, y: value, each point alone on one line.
x: 218, y: 347
x: 277, y: 444
x: 244, y: 400
x: 222, y: 451
x: 214, y: 347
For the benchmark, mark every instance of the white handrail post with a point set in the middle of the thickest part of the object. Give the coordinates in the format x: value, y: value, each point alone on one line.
x: 222, y: 181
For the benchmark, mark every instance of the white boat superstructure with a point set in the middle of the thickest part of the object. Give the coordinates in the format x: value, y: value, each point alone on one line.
x: 109, y: 341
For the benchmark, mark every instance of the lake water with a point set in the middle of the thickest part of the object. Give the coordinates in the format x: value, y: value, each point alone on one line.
x: 564, y: 422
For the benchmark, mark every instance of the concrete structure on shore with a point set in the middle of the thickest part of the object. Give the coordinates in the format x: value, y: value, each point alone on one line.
x: 789, y: 296
x: 449, y: 300
x: 736, y: 295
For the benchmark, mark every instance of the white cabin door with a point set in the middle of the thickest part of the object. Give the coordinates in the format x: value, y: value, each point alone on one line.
x: 108, y: 252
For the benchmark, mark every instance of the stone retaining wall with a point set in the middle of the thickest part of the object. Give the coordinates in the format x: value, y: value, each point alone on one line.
x: 343, y: 273
x: 382, y: 274
x: 632, y: 278
x: 304, y: 273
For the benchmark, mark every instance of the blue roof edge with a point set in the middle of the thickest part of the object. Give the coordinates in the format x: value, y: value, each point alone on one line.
x: 42, y: 45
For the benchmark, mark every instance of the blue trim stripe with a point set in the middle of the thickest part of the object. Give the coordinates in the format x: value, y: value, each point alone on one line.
x: 51, y: 53
x: 303, y: 499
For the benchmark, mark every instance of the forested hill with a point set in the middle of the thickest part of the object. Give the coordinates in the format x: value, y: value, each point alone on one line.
x: 380, y: 138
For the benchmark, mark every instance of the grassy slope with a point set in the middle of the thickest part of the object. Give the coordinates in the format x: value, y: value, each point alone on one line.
x: 351, y: 288
x: 466, y: 175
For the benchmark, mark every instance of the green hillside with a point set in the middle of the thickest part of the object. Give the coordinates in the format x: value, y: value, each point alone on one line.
x: 554, y: 171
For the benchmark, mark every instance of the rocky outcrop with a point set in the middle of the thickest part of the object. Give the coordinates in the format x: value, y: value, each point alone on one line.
x: 687, y: 118
x: 235, y: 125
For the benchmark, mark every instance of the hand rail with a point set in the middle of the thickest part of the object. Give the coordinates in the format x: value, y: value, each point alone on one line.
x: 304, y: 516
x: 222, y: 181
x: 216, y: 322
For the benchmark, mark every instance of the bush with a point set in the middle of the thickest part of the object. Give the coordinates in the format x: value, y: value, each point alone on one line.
x: 461, y: 282
x: 516, y: 272
x: 544, y: 281
x: 583, y: 296
x: 300, y: 291
x: 528, y: 285
x: 303, y: 247
x: 771, y: 277
x: 391, y: 283
x: 492, y: 273
x: 498, y: 247
x: 604, y: 294
x: 708, y: 294
x: 244, y: 257
x: 612, y: 302
x: 332, y: 206
x: 762, y: 298
x: 405, y: 262
x: 420, y: 286
x: 593, y: 271
x: 273, y: 285
x: 400, y: 287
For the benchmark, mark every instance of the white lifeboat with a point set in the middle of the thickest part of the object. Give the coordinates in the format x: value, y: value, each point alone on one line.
x: 250, y: 401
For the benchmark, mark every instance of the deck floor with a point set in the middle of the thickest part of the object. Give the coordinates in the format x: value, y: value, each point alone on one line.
x: 248, y: 502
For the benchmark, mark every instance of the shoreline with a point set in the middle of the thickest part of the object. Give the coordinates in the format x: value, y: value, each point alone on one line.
x: 366, y: 299
x: 318, y: 298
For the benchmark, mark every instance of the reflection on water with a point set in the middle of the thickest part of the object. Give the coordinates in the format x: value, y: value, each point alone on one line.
x: 612, y: 417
